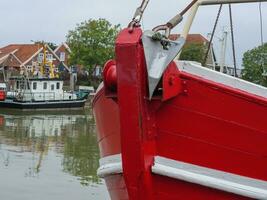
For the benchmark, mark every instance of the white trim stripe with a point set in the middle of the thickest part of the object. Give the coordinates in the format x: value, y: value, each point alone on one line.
x: 220, y: 180
x: 65, y: 45
x: 110, y: 165
x: 228, y: 182
x: 211, y: 75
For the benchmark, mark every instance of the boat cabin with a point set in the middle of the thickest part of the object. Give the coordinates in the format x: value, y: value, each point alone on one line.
x: 2, y: 87
x: 39, y: 89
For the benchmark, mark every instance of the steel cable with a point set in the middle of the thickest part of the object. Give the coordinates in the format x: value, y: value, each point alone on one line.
x: 212, y: 35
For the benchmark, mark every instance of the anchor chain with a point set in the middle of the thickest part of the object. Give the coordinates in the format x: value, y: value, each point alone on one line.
x: 138, y: 15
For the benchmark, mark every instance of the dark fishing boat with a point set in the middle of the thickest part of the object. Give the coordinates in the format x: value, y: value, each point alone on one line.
x: 174, y: 129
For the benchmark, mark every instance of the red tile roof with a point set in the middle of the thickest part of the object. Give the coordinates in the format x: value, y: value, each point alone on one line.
x: 6, y: 50
x: 23, y: 53
x: 11, y: 61
x: 191, y: 38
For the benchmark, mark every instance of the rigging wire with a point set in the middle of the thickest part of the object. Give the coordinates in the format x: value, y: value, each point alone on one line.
x: 212, y: 35
x: 175, y: 20
x: 262, y: 40
x: 233, y: 39
x: 261, y: 23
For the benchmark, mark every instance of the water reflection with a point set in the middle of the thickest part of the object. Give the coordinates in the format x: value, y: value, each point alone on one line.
x: 81, y: 154
x: 37, y: 136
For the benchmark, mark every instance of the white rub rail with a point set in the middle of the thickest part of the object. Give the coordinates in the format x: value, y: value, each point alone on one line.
x: 228, y: 182
x: 110, y: 165
x: 224, y: 181
x: 195, y: 69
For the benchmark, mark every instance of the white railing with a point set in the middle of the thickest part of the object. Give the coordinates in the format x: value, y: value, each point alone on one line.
x: 43, y: 96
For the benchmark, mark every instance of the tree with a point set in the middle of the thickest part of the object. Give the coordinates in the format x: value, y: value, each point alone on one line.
x: 92, y: 43
x: 255, y: 65
x: 52, y: 45
x: 193, y: 52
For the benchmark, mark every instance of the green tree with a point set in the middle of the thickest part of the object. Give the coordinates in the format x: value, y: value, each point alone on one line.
x: 52, y: 45
x: 255, y: 65
x: 193, y: 52
x: 92, y: 43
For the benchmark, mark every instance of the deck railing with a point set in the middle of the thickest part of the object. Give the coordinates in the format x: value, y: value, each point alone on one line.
x: 42, y: 96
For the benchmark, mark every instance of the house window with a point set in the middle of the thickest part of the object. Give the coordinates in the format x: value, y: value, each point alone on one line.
x: 58, y: 85
x: 45, y: 85
x: 52, y: 87
x: 40, y: 57
x: 49, y: 57
x: 29, y: 68
x: 62, y: 56
x: 34, y: 85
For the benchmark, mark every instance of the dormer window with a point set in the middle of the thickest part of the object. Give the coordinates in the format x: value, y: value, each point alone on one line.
x: 49, y: 57
x: 62, y: 56
x: 40, y: 57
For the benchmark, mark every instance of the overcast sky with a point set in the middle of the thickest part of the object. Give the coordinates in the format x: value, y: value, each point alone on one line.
x: 50, y: 20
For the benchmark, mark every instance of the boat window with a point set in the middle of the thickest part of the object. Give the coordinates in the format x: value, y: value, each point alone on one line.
x: 34, y: 85
x: 45, y: 85
x: 21, y: 85
x: 28, y: 86
x: 58, y: 85
x: 52, y: 87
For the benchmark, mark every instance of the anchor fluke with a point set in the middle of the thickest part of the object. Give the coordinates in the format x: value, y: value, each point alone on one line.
x: 159, y: 52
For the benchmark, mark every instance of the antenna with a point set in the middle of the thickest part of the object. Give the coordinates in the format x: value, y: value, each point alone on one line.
x: 233, y: 39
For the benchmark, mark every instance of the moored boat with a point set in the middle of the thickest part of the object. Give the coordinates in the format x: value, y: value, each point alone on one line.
x: 39, y: 86
x: 176, y: 130
x: 41, y: 93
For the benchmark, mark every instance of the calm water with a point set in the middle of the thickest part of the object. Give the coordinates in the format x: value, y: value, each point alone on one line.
x: 49, y: 156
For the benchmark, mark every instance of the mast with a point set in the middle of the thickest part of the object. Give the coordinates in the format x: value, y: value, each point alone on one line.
x: 223, y: 50
x: 44, y: 59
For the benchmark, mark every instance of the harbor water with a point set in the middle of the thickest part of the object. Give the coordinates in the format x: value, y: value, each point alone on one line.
x: 49, y: 155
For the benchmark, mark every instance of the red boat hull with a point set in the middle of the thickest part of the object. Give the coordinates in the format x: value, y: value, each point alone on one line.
x: 206, y: 124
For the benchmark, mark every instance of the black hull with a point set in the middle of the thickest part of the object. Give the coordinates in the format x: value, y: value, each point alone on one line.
x: 43, y: 105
